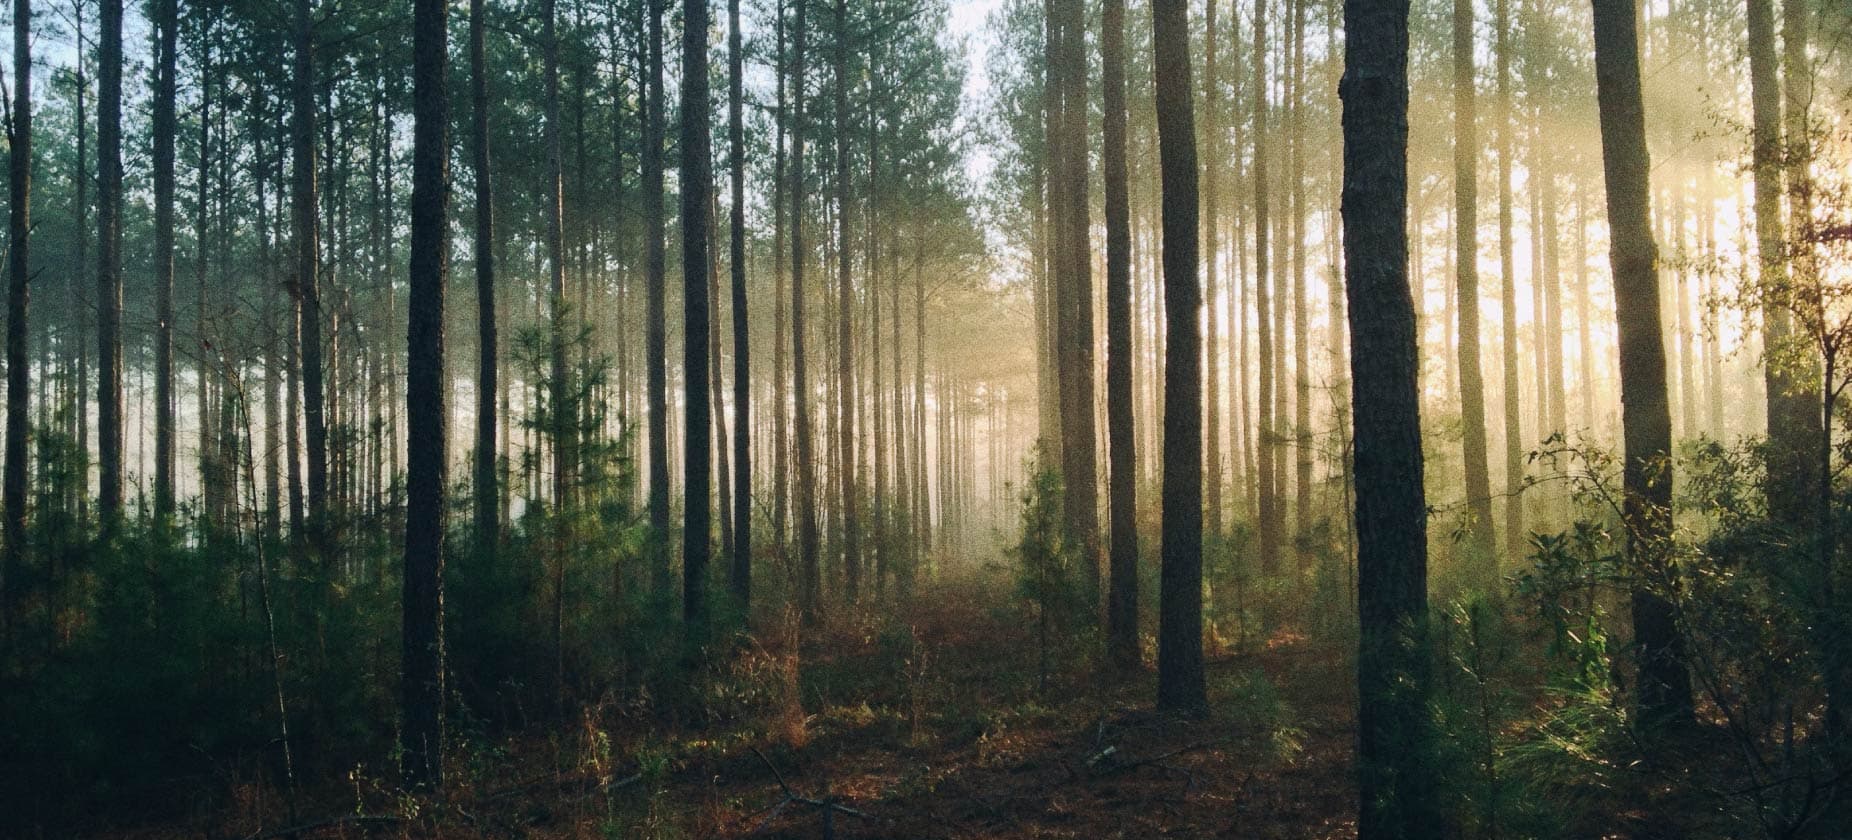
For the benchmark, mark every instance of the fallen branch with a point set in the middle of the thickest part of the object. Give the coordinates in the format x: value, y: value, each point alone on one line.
x: 828, y: 805
x: 1157, y: 759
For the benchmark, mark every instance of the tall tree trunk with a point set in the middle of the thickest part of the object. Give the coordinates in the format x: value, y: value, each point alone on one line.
x: 80, y: 305
x: 655, y: 316
x: 1792, y: 424
x: 1074, y: 285
x: 487, y: 509
x: 1508, y: 291
x: 696, y: 191
x: 1211, y: 211
x: 847, y: 454
x: 560, y: 388
x: 422, y: 660
x: 18, y: 270
x: 1180, y: 650
x: 1398, y: 791
x: 1272, y: 518
x: 1122, y: 458
x: 781, y: 488
x: 810, y: 575
x: 109, y: 265
x: 741, y: 577
x: 308, y: 280
x: 1664, y: 694
x: 1302, y: 355
x: 1466, y: 267
x: 166, y: 41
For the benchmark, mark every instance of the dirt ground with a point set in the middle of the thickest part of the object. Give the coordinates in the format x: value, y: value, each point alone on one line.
x: 943, y: 729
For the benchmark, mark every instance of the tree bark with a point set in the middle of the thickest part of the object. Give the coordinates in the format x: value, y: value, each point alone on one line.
x: 308, y: 280
x: 18, y: 270
x: 741, y: 577
x: 655, y: 316
x: 847, y: 452
x: 166, y: 39
x: 1272, y: 517
x: 810, y: 576
x: 109, y: 265
x: 1466, y: 267
x: 696, y: 191
x: 1399, y: 796
x: 1122, y: 457
x: 422, y: 659
x: 1793, y: 424
x: 1508, y: 293
x: 1180, y: 652
x: 1664, y: 693
x: 487, y: 506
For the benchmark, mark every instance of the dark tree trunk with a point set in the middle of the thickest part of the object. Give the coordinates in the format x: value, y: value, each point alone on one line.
x: 696, y: 190
x: 487, y: 507
x: 1074, y: 285
x: 781, y: 487
x: 1272, y: 516
x: 166, y: 41
x: 80, y: 305
x: 656, y: 336
x: 1122, y: 458
x: 741, y: 578
x: 18, y: 268
x: 307, y: 276
x: 1211, y: 211
x: 559, y: 411
x: 1664, y: 694
x: 1466, y: 267
x: 422, y: 663
x: 810, y: 575
x: 847, y: 452
x: 109, y: 265
x: 1398, y: 791
x: 1180, y: 643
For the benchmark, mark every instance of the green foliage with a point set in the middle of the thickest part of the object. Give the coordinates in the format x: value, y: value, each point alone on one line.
x: 1050, y: 579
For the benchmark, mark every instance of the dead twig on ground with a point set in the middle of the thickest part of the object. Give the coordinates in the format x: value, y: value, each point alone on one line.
x: 827, y: 805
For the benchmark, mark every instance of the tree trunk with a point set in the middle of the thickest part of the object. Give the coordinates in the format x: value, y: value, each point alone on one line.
x: 1272, y: 518
x: 1122, y: 458
x: 781, y: 488
x: 1211, y: 211
x: 561, y: 410
x: 810, y: 574
x: 422, y: 660
x: 1793, y: 424
x: 696, y: 191
x: 655, y: 316
x: 109, y: 265
x: 1466, y: 267
x: 1073, y: 285
x: 1399, y: 795
x: 487, y: 507
x: 1302, y: 356
x: 166, y: 40
x: 308, y: 280
x: 741, y: 577
x: 18, y: 270
x: 847, y: 453
x: 1180, y: 651
x: 1508, y: 294
x: 1664, y: 694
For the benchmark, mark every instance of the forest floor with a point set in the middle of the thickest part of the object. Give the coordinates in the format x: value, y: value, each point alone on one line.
x: 942, y: 729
